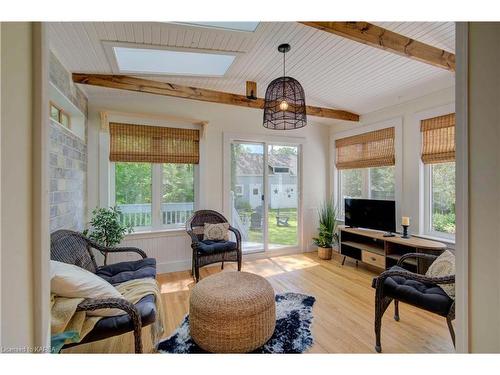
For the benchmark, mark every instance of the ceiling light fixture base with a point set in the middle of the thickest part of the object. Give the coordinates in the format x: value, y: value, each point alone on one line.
x: 284, y: 48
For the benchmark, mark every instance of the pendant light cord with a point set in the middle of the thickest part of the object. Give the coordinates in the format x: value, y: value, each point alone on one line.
x: 284, y: 61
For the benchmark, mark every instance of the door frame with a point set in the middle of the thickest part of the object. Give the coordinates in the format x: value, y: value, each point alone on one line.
x: 462, y: 187
x: 228, y: 139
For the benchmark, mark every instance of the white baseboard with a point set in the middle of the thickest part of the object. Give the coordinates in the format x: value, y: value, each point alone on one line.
x: 181, y: 265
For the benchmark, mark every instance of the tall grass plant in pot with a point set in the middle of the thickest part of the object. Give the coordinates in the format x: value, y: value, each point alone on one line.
x: 327, y: 232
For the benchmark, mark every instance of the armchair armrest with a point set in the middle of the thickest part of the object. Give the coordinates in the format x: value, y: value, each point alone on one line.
x: 105, y: 250
x: 415, y: 255
x: 194, y: 238
x: 237, y: 234
x: 125, y: 249
x: 117, y: 303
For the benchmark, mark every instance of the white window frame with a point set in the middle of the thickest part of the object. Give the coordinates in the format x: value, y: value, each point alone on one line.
x: 107, y: 169
x: 366, y: 186
x: 335, y: 182
x: 425, y: 180
x: 428, y: 231
x: 156, y: 189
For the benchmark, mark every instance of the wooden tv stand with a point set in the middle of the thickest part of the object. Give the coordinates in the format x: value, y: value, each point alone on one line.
x: 371, y: 247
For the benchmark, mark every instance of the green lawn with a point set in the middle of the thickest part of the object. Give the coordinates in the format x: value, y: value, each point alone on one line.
x: 278, y: 235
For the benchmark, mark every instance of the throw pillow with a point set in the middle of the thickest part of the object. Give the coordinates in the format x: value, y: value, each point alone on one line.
x: 216, y: 232
x: 444, y: 265
x: 70, y: 281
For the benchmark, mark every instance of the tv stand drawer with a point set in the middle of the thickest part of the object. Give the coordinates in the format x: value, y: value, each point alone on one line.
x: 375, y: 260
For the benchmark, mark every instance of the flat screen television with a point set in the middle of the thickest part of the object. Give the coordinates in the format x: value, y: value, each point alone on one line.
x: 370, y: 214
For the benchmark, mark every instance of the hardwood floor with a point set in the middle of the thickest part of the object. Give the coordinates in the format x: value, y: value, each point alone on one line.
x: 344, y: 308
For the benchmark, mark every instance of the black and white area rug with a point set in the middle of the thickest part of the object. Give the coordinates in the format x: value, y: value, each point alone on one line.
x: 292, y: 333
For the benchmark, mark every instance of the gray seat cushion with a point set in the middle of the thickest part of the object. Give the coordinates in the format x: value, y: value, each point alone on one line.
x: 212, y: 247
x: 117, y: 325
x: 118, y: 273
x: 427, y: 296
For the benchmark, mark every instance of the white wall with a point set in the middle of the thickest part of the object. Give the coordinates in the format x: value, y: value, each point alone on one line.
x: 484, y: 187
x: 16, y: 179
x: 409, y: 112
x: 172, y: 250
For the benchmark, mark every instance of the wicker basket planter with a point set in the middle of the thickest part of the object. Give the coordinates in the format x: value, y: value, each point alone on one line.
x: 232, y: 312
x: 325, y: 253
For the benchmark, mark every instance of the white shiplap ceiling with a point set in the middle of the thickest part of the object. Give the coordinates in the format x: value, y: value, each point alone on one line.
x: 335, y: 72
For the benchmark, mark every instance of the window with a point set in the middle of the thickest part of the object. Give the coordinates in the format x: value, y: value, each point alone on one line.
x: 154, y: 174
x: 368, y: 183
x: 133, y: 193
x: 155, y: 61
x: 382, y: 183
x: 365, y: 166
x: 438, y: 156
x: 351, y: 183
x: 237, y: 26
x: 177, y: 201
x: 281, y: 170
x: 60, y: 116
x: 238, y: 189
x: 135, y: 184
x: 441, y: 199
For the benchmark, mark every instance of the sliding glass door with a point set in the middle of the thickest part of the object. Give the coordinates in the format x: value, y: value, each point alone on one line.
x: 283, y: 196
x: 247, y: 193
x: 265, y: 194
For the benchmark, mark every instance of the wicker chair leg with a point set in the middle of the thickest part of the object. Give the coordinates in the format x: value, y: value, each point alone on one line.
x: 450, y: 327
x: 197, y: 273
x: 239, y: 262
x: 381, y: 305
x: 196, y: 267
x: 222, y: 265
x: 137, y: 340
x: 396, y: 310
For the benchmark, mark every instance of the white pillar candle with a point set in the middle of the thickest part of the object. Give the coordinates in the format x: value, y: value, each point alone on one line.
x: 405, y: 220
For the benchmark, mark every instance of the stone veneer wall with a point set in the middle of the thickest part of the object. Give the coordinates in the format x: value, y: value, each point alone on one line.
x: 68, y: 159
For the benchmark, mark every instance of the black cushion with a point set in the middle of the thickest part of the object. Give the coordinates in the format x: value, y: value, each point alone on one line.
x: 212, y: 247
x: 427, y: 296
x: 117, y: 325
x: 118, y: 273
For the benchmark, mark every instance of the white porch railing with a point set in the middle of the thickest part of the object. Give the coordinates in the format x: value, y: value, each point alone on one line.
x: 139, y: 215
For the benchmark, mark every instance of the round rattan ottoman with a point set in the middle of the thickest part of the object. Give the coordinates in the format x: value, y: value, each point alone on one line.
x: 232, y: 312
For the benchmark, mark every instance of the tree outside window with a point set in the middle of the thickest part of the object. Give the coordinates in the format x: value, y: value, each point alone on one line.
x: 443, y: 197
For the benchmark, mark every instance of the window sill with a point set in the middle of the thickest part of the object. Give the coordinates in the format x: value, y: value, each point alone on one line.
x: 445, y: 240
x: 154, y: 233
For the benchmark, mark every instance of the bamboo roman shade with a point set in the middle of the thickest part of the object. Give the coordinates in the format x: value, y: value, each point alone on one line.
x: 438, y: 139
x: 373, y: 149
x: 153, y: 144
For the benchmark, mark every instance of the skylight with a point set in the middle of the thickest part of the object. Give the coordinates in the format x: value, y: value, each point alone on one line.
x: 238, y: 26
x: 153, y: 61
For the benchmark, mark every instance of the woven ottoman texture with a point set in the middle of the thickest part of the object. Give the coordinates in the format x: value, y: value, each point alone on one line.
x: 232, y: 312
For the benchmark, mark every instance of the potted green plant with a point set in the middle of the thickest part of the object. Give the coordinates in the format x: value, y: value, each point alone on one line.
x: 327, y: 231
x: 105, y: 227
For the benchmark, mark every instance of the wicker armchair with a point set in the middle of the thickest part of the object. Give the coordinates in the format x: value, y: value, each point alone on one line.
x: 206, y: 252
x: 399, y: 284
x: 74, y: 248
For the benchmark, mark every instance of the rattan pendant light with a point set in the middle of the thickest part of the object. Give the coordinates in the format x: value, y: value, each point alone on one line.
x: 285, y: 102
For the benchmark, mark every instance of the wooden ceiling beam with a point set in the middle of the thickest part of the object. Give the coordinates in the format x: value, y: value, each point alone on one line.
x: 378, y: 37
x: 169, y: 89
